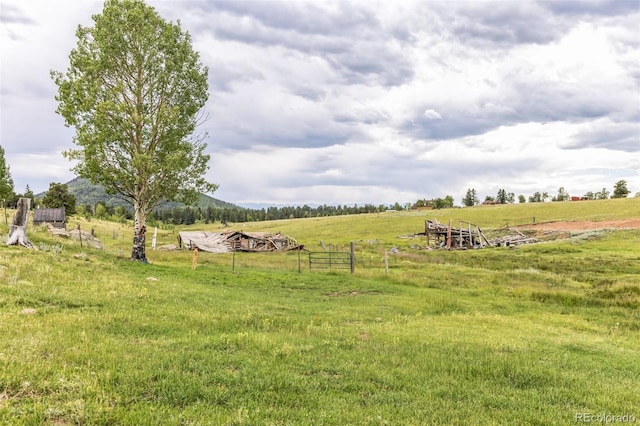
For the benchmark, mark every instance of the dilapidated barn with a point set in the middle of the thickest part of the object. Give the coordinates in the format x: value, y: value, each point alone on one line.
x: 229, y: 241
x: 468, y: 235
x: 55, y: 217
x: 446, y: 236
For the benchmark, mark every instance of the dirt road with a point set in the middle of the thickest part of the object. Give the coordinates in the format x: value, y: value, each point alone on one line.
x: 584, y: 225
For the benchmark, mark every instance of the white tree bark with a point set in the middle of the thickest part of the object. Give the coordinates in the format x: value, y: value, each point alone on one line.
x: 139, y: 234
x: 19, y: 236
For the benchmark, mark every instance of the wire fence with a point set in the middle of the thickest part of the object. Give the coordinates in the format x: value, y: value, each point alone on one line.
x: 298, y: 260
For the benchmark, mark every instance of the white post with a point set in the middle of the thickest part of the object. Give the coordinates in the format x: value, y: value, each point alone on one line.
x: 386, y: 262
x: 155, y: 237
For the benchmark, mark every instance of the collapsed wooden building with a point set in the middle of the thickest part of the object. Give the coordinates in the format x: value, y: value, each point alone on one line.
x: 230, y: 241
x: 448, y: 237
x: 470, y: 236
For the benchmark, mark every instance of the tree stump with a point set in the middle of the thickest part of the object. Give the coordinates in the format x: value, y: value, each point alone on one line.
x: 18, y: 228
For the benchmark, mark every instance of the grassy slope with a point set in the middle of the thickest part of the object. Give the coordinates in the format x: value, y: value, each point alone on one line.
x: 497, y: 336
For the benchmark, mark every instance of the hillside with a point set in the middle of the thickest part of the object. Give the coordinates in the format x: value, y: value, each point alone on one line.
x: 88, y: 193
x: 538, y: 334
x: 386, y: 227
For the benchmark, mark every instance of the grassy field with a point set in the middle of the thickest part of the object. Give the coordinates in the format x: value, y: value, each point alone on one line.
x: 543, y: 334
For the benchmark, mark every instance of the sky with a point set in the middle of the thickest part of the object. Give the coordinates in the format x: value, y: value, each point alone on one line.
x: 355, y: 102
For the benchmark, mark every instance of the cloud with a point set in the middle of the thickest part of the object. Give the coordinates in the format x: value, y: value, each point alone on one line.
x: 11, y: 14
x: 609, y: 135
x: 348, y: 37
x: 370, y: 101
x: 502, y: 24
x: 27, y: 168
x: 432, y: 114
x: 586, y: 8
x: 223, y: 76
x: 570, y: 80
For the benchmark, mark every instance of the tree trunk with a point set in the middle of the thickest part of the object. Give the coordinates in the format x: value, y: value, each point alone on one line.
x: 139, y: 234
x: 19, y: 236
x: 18, y: 228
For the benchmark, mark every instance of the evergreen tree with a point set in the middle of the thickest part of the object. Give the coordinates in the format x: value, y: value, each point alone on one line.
x: 501, y: 197
x: 59, y: 196
x: 536, y: 197
x: 188, y: 216
x: 6, y: 183
x: 471, y: 198
x: 28, y: 193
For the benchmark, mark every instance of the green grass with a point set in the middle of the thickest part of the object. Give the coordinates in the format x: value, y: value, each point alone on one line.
x: 532, y: 335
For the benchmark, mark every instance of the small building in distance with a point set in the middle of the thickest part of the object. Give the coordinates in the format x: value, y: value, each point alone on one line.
x: 56, y: 217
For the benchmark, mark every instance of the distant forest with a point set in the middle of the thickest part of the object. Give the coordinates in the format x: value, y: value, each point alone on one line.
x: 191, y: 215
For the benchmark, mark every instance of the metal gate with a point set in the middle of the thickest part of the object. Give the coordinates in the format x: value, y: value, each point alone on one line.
x: 330, y: 260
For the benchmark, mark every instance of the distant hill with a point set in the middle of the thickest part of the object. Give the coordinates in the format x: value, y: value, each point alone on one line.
x: 88, y: 193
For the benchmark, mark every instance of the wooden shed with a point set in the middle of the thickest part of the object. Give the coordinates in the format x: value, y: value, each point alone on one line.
x: 56, y: 217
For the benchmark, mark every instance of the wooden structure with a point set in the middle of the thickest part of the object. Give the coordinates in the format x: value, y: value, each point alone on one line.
x: 470, y: 236
x: 261, y: 241
x: 56, y: 217
x: 230, y: 241
x: 448, y: 237
x: 507, y: 237
x: 213, y: 242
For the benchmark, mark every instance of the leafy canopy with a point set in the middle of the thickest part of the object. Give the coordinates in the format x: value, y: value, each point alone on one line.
x: 620, y: 189
x: 133, y: 92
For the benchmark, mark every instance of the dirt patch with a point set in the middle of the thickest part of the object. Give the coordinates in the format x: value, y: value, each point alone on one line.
x: 573, y: 226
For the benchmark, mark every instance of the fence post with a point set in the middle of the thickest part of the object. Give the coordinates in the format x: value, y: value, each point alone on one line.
x: 353, y: 256
x: 386, y: 262
x: 194, y: 258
